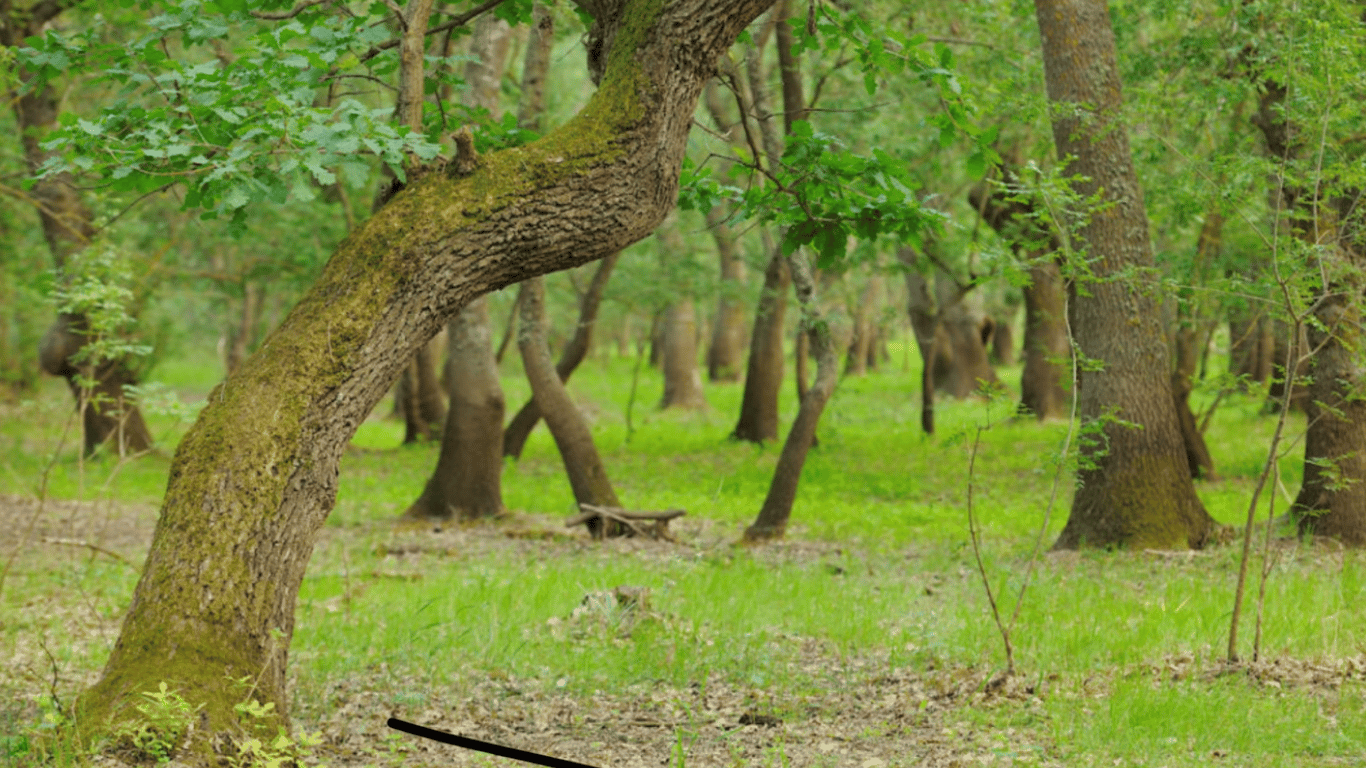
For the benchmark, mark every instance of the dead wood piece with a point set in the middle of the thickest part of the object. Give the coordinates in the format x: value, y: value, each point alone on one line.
x: 654, y: 525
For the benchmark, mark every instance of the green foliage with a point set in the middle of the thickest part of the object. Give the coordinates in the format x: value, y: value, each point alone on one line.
x: 157, y: 733
x: 95, y: 285
x: 242, y: 110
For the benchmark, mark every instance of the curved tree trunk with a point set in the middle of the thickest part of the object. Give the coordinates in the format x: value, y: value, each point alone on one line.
x: 829, y: 337
x: 99, y: 389
x: 255, y: 477
x: 467, y: 481
x: 1135, y: 487
x: 519, y: 429
x: 923, y: 311
x: 968, y: 331
x: 587, y: 476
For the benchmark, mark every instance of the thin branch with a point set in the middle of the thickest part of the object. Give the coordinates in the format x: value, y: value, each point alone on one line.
x: 282, y: 15
x: 458, y: 21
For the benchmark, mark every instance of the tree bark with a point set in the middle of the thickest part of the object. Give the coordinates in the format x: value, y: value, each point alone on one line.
x: 1332, y: 499
x: 254, y: 478
x: 861, y: 348
x: 682, y: 380
x: 535, y: 68
x: 829, y: 337
x: 923, y: 310
x: 587, y: 476
x: 519, y: 429
x: 968, y: 330
x: 1134, y: 488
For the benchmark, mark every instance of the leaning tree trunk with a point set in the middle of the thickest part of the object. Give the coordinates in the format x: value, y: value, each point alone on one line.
x: 467, y: 481
x: 519, y: 429
x: 968, y: 330
x: 1135, y: 488
x: 253, y: 480
x: 930, y: 340
x: 829, y: 338
x: 587, y: 476
x: 98, y: 387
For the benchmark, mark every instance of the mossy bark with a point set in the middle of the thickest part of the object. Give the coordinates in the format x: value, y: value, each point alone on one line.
x: 254, y: 479
x: 1135, y: 488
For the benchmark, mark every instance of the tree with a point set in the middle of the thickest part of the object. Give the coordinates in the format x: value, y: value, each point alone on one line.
x: 255, y: 477
x: 467, y: 481
x: 98, y: 385
x: 1135, y: 488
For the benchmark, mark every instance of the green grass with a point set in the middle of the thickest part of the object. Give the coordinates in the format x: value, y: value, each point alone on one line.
x: 878, y: 566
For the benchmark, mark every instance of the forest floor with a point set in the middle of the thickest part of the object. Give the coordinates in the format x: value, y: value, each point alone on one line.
x: 832, y: 706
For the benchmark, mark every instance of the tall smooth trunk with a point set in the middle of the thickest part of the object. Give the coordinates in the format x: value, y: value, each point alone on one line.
x: 1135, y: 487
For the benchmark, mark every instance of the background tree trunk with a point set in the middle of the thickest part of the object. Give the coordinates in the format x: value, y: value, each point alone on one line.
x: 829, y: 337
x: 764, y: 377
x: 255, y: 477
x: 1045, y: 383
x: 68, y: 226
x: 587, y: 476
x: 682, y: 380
x: 727, y: 348
x: 467, y: 482
x: 519, y: 429
x: 1135, y: 487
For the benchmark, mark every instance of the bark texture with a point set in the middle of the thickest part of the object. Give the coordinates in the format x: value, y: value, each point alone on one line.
x: 255, y: 477
x: 726, y: 351
x: 519, y: 429
x: 1135, y: 488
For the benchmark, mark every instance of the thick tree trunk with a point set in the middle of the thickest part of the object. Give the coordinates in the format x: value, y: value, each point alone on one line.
x: 829, y: 338
x: 764, y: 374
x: 98, y: 389
x: 253, y: 480
x: 519, y: 429
x: 587, y: 476
x: 682, y: 380
x: 1135, y: 487
x: 467, y: 482
x: 1332, y: 500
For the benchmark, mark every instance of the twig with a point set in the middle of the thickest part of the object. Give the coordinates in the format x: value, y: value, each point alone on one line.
x: 977, y: 555
x: 89, y: 546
